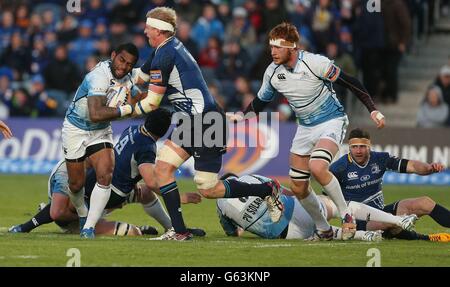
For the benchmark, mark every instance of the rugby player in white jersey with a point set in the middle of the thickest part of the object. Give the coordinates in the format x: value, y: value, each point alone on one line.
x: 306, y: 80
x: 5, y: 130
x: 87, y: 132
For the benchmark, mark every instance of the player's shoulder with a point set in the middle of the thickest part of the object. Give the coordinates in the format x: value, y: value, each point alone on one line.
x: 99, y: 72
x: 272, y: 68
x: 341, y: 163
x: 167, y: 50
x: 379, y: 155
x: 313, y: 58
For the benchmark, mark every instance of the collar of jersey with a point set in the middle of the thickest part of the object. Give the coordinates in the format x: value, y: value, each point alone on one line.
x: 144, y: 131
x: 299, y: 59
x: 164, y: 42
x: 351, y: 160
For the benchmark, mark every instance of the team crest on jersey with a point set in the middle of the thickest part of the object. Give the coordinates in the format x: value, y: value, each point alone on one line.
x: 155, y: 76
x: 352, y: 175
x: 375, y: 168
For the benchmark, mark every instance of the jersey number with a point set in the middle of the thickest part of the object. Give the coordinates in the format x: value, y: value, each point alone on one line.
x: 121, y: 144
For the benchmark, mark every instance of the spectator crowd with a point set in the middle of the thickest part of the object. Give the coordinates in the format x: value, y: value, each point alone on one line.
x: 45, y: 51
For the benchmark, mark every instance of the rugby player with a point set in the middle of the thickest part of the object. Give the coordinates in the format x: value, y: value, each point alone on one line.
x: 5, y: 130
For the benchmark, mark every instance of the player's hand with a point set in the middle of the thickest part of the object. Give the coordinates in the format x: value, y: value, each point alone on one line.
x: 190, y: 197
x: 5, y: 130
x: 378, y: 118
x: 437, y: 167
x: 235, y: 117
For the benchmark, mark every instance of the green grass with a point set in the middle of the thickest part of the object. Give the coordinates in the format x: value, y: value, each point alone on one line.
x: 46, y: 246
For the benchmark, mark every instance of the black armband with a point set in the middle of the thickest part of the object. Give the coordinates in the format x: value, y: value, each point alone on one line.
x: 257, y: 105
x: 403, y: 165
x: 357, y: 88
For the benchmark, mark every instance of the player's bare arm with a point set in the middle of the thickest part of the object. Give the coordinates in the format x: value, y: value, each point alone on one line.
x: 151, y: 101
x: 423, y: 168
x: 100, y: 112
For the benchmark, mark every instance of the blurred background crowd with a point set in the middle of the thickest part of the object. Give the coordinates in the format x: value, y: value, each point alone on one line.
x: 45, y: 51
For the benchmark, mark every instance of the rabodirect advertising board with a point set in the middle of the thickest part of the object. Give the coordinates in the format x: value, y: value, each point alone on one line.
x: 253, y: 147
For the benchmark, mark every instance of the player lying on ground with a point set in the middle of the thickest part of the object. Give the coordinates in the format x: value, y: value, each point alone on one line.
x: 360, y: 174
x: 250, y: 214
x: 135, y: 155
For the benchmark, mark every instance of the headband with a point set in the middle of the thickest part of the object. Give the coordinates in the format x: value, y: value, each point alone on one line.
x: 359, y: 141
x: 282, y: 43
x: 160, y: 24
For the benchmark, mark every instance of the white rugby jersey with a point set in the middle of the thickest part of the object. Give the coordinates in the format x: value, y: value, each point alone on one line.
x: 308, y: 88
x: 98, y: 82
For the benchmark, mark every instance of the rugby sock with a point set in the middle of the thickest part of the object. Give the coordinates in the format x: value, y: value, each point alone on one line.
x: 441, y: 215
x: 171, y: 197
x: 333, y: 190
x: 406, y: 235
x: 77, y: 200
x: 99, y: 199
x: 367, y: 213
x: 236, y: 189
x: 155, y: 210
x: 312, y: 206
x: 42, y: 217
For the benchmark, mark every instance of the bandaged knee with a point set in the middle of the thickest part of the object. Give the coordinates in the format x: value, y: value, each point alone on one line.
x: 205, y: 180
x: 168, y: 155
x: 322, y: 154
x: 299, y: 175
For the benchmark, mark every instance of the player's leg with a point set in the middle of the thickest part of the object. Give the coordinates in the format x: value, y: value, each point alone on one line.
x: 102, y: 160
x: 152, y: 206
x: 169, y: 158
x: 300, y: 186
x: 117, y: 228
x: 61, y: 208
x: 425, y: 206
x: 76, y: 177
x: 361, y: 235
x: 41, y: 218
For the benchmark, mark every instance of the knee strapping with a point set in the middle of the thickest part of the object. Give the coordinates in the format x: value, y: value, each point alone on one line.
x: 205, y: 180
x: 166, y: 154
x: 299, y: 175
x: 322, y: 154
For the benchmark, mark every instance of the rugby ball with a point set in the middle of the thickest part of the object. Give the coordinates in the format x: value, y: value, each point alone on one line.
x: 117, y: 96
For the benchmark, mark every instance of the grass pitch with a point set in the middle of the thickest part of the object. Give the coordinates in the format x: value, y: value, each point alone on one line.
x: 47, y: 246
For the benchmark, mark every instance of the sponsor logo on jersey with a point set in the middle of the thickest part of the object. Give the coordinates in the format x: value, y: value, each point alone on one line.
x: 352, y: 175
x: 365, y: 177
x: 155, y: 76
x: 281, y: 77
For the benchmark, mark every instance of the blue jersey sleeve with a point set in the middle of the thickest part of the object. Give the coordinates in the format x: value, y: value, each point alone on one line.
x: 161, y: 66
x: 145, y: 154
x: 393, y: 163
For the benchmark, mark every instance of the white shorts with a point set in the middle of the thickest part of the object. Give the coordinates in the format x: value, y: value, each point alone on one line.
x: 307, y: 137
x: 301, y: 225
x: 75, y: 140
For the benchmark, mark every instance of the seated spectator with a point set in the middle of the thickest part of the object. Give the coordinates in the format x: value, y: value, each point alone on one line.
x: 67, y: 29
x: 17, y: 56
x: 84, y: 45
x: 433, y: 111
x: 188, y: 10
x: 61, y: 73
x: 443, y: 81
x: 240, y: 28
x: 322, y: 25
x: 211, y: 55
x: 22, y: 17
x: 104, y: 50
x: 19, y: 103
x: 39, y: 55
x: 243, y: 96
x: 235, y: 62
x: 7, y: 28
x: 184, y: 35
x: 43, y: 105
x: 125, y: 11
x: 215, y: 92
x: 207, y: 26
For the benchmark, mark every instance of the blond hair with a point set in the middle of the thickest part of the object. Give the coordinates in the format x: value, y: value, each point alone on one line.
x: 165, y: 14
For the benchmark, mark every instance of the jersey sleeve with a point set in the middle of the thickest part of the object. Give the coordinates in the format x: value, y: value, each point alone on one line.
x: 97, y: 83
x: 161, y: 66
x: 322, y: 67
x: 392, y: 162
x: 267, y: 92
x: 145, y: 154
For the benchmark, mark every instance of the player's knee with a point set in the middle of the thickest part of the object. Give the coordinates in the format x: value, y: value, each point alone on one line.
x: 319, y: 161
x: 299, y: 187
x: 104, y: 179
x: 206, y: 183
x: 164, y: 170
x: 57, y: 213
x: 425, y: 204
x: 75, y: 185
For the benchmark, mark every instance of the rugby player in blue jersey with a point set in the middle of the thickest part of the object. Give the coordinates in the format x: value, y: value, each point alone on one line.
x: 360, y: 174
x: 135, y: 155
x: 172, y: 73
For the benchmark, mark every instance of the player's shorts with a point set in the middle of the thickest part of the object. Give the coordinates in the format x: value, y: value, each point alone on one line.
x: 75, y: 141
x: 307, y: 137
x: 58, y: 180
x: 196, y: 141
x: 301, y: 225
